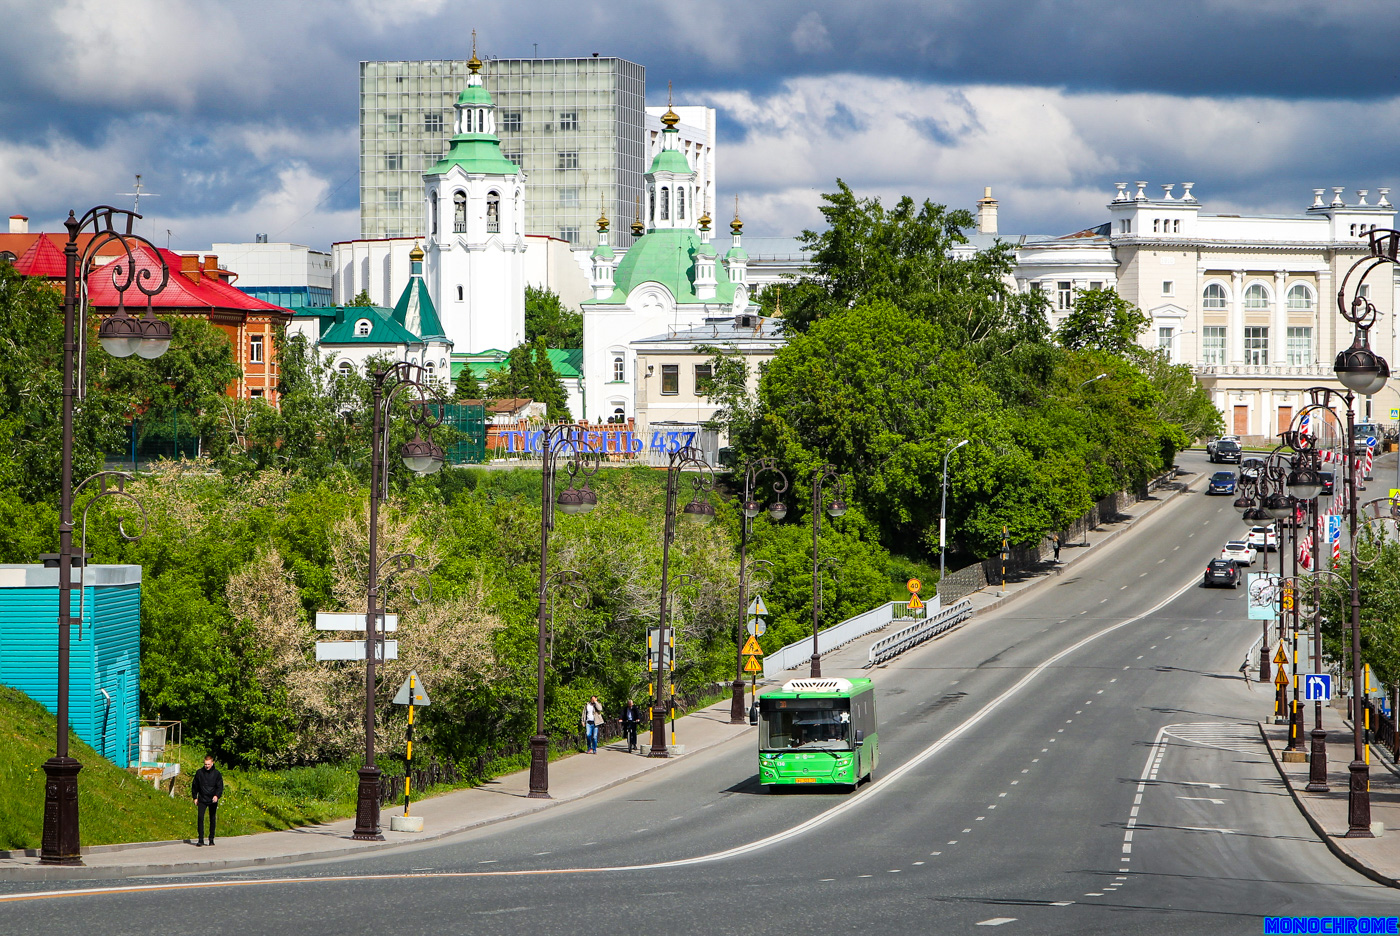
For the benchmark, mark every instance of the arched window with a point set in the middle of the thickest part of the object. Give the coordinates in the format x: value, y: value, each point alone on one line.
x: 665, y: 203
x: 619, y: 369
x: 362, y: 328
x: 433, y: 213
x: 459, y: 212
x: 680, y: 203
x: 493, y: 212
x: 1256, y: 297
x: 428, y: 370
x: 651, y: 203
x: 1300, y: 298
x: 459, y: 293
x: 619, y: 415
x: 1213, y: 297
x: 345, y: 368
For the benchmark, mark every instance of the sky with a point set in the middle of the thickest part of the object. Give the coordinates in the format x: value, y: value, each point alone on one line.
x: 242, y: 116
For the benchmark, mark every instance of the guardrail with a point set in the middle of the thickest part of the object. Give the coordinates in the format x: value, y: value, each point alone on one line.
x: 919, y: 631
x: 834, y: 637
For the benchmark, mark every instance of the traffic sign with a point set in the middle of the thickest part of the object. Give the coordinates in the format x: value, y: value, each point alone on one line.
x: 752, y: 648
x: 419, y: 696
x: 1317, y: 687
x: 1280, y: 678
x: 758, y: 626
x: 1394, y: 413
x: 1370, y: 441
x: 757, y: 608
x: 752, y: 665
x: 914, y: 603
x: 354, y: 650
x: 1280, y: 656
x: 352, y: 620
x: 914, y: 585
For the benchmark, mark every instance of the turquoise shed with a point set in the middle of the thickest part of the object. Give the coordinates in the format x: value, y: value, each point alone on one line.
x: 105, y: 660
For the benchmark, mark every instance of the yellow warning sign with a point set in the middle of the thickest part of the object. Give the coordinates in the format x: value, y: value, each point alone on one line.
x: 1281, y: 678
x: 1280, y: 656
x: 915, y: 603
x: 752, y: 648
x: 914, y: 585
x: 752, y: 665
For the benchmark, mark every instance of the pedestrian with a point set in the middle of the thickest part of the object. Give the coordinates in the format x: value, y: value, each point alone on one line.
x: 592, y: 719
x: 631, y: 717
x: 1055, y: 545
x: 207, y: 788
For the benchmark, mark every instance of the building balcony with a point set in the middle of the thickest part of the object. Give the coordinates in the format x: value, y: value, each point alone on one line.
x: 1262, y: 370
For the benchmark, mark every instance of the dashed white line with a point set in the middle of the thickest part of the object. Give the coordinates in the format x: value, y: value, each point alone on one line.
x: 997, y: 921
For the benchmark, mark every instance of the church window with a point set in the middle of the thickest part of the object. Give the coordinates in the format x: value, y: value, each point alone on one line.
x: 362, y: 328
x: 493, y: 212
x: 651, y: 203
x: 459, y: 212
x: 680, y: 203
x: 481, y: 121
x: 665, y: 203
x: 469, y: 116
x: 619, y: 369
x: 432, y: 123
x: 619, y: 415
x: 428, y: 370
x: 433, y: 213
x: 345, y: 368
x: 459, y: 293
x: 670, y: 379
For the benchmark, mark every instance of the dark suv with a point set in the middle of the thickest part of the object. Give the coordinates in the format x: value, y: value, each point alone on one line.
x: 1226, y: 450
x: 1223, y: 573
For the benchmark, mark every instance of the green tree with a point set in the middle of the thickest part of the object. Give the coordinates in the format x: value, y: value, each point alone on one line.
x: 1103, y: 320
x: 547, y: 318
x: 729, y: 390
x: 361, y: 299
x: 467, y: 386
x: 529, y: 375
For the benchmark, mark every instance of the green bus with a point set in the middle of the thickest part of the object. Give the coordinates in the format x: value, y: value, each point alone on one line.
x: 818, y: 731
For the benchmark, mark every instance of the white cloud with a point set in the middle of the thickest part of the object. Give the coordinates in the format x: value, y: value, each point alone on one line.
x: 810, y: 35
x: 293, y: 211
x: 1050, y: 154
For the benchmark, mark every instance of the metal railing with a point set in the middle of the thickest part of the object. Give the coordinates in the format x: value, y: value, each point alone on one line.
x: 834, y: 637
x: 1382, y: 732
x: 919, y: 631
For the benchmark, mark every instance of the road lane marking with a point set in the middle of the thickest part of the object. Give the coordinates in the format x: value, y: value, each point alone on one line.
x: 1014, y: 691
x: 997, y: 921
x: 1061, y: 903
x: 1204, y: 799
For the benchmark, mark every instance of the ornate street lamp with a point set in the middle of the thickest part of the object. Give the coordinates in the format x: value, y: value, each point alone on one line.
x: 698, y: 509
x: 752, y: 508
x: 421, y: 456
x: 559, y: 441
x: 836, y: 508
x: 122, y: 336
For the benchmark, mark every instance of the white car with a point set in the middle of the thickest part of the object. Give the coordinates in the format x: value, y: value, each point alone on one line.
x: 1239, y: 552
x: 1264, y: 538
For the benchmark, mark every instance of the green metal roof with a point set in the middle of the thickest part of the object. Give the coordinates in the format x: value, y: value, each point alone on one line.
x: 476, y: 95
x: 669, y: 160
x: 665, y: 256
x: 415, y: 311
x: 567, y: 362
x: 475, y: 152
x: 383, y: 329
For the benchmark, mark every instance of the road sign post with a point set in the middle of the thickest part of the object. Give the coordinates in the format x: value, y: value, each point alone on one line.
x: 411, y: 694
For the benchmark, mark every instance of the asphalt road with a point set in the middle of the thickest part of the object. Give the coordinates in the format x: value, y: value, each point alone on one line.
x: 1082, y: 760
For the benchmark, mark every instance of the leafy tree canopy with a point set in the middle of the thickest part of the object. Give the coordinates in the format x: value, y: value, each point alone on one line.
x: 547, y: 318
x: 1103, y: 320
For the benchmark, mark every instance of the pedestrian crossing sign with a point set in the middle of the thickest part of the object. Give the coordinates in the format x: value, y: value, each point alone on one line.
x: 753, y: 666
x: 752, y: 648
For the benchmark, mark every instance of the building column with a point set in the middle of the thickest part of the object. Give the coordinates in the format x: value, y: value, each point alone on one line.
x: 1235, y: 331
x: 1324, y: 323
x: 1278, y: 329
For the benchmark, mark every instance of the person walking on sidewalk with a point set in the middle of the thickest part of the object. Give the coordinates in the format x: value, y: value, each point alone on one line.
x: 592, y: 720
x: 631, y: 717
x: 207, y: 788
x: 1055, y: 545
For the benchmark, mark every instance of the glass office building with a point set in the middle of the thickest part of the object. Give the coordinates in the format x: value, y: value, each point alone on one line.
x: 577, y: 126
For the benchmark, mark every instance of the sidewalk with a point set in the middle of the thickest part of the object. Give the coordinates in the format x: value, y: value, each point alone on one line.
x: 570, y: 778
x: 1378, y: 858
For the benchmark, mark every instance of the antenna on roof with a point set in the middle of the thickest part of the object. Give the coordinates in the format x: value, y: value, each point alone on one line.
x: 138, y: 193
x: 167, y: 238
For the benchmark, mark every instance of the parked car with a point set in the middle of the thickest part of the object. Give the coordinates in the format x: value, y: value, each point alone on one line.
x: 1226, y: 450
x: 1250, y: 468
x: 1239, y: 552
x: 1328, y: 480
x: 1263, y: 538
x: 1222, y: 482
x: 1222, y: 573
x: 1366, y: 431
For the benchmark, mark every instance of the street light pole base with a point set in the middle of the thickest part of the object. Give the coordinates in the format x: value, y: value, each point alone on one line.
x: 737, y: 715
x: 816, y: 665
x: 658, y: 734
x: 367, y: 807
x: 1359, y: 801
x: 1264, y: 674
x: 1317, y: 763
x: 539, y: 767
x: 59, y: 845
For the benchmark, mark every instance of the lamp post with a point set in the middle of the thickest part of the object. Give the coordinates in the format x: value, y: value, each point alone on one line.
x: 421, y: 456
x: 943, y: 510
x: 557, y: 442
x: 836, y: 508
x: 1090, y: 380
x: 702, y: 511
x: 122, y: 336
x: 777, y: 511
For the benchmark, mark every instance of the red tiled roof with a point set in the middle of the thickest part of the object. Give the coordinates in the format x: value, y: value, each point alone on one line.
x: 19, y: 244
x: 42, y: 258
x: 180, y: 292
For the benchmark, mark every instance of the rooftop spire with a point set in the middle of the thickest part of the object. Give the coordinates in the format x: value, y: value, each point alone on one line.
x: 474, y: 63
x: 638, y: 229
x: 670, y: 118
x: 736, y: 226
x: 603, y: 221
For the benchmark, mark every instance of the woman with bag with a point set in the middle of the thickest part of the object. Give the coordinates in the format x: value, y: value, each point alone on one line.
x: 592, y: 719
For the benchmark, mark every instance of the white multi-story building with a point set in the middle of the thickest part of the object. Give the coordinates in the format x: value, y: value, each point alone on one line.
x: 288, y: 275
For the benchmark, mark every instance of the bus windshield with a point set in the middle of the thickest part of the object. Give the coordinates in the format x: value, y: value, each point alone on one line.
x: 805, y: 729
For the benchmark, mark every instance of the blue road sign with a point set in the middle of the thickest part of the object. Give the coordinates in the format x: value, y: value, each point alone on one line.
x: 1370, y: 441
x: 1317, y: 687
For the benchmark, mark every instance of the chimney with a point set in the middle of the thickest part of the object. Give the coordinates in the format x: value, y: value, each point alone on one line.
x: 211, y: 266
x: 19, y: 224
x: 189, y: 266
x: 986, y: 212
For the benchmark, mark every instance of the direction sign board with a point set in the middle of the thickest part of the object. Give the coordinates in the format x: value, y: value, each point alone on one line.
x: 352, y: 621
x: 757, y: 608
x: 352, y: 650
x: 752, y: 648
x: 1317, y: 687
x: 758, y: 626
x: 419, y: 697
x: 752, y: 665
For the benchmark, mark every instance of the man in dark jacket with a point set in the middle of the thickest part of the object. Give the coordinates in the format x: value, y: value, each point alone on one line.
x: 207, y: 787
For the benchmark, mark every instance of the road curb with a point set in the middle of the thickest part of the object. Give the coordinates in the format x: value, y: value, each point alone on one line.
x: 82, y: 873
x: 1348, y: 859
